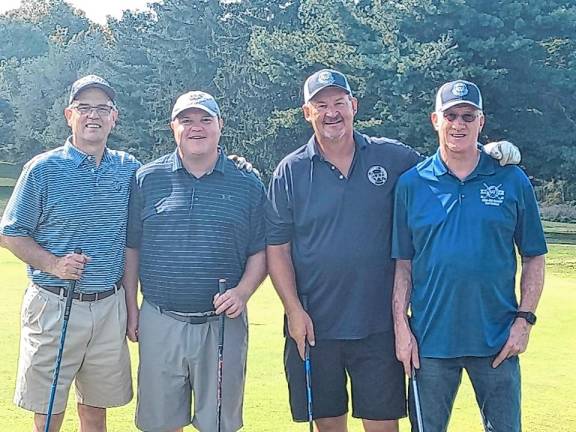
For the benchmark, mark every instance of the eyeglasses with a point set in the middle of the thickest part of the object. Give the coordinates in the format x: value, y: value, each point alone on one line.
x: 466, y: 117
x: 101, y: 110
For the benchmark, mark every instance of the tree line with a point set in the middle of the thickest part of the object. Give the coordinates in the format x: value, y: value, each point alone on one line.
x: 253, y: 56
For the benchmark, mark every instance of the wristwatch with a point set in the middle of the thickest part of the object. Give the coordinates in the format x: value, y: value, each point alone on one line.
x: 528, y: 316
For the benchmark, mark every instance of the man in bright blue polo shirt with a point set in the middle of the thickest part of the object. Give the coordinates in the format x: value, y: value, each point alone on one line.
x: 458, y: 216
x: 75, y: 196
x: 194, y: 218
x: 329, y: 235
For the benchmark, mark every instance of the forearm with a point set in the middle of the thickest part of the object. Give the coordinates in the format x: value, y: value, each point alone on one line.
x: 283, y: 277
x: 531, y: 282
x: 130, y: 279
x: 254, y: 274
x: 26, y: 249
x: 401, y: 293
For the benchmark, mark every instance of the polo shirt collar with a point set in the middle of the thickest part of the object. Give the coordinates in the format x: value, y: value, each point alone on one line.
x: 219, y: 166
x: 312, y: 147
x: 486, y: 165
x: 78, y: 156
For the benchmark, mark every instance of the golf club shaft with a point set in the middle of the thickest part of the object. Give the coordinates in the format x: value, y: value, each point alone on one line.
x: 417, y: 401
x: 221, y: 290
x: 308, y: 371
x: 67, y: 309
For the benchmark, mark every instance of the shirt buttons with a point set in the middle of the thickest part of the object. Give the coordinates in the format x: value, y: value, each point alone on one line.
x: 341, y: 177
x: 333, y: 168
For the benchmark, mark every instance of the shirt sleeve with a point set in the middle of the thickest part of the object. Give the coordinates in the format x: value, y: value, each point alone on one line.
x: 402, y: 246
x: 257, y: 222
x: 134, y: 230
x: 279, y: 215
x: 24, y: 209
x: 529, y: 234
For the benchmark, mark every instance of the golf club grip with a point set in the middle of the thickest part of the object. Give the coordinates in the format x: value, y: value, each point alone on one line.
x: 67, y: 309
x: 417, y: 402
x: 221, y: 290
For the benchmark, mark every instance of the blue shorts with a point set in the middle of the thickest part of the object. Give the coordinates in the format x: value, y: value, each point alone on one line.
x: 376, y: 378
x: 497, y: 392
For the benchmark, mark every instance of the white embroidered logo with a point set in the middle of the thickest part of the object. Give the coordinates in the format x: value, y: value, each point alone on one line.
x: 460, y: 89
x: 377, y: 175
x: 492, y: 195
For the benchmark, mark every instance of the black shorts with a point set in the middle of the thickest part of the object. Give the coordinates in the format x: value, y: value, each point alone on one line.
x: 376, y: 378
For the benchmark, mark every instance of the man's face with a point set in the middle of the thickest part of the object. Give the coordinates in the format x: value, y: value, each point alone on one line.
x: 196, y: 132
x: 91, y: 116
x: 331, y: 113
x: 458, y: 127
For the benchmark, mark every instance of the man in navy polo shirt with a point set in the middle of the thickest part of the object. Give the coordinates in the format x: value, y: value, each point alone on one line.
x: 329, y: 234
x: 458, y: 216
x: 74, y: 196
x: 194, y: 218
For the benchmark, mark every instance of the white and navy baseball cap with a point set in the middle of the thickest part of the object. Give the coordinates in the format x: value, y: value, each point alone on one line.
x: 91, y: 81
x: 196, y: 99
x: 324, y: 78
x: 456, y: 93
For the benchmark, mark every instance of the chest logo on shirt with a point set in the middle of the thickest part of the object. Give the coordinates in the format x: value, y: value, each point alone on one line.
x: 377, y: 175
x: 492, y: 195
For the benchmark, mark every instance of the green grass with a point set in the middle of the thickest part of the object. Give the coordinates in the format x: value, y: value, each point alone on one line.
x: 547, y: 367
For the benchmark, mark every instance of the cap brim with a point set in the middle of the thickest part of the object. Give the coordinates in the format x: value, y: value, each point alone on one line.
x: 318, y: 90
x: 202, y: 107
x: 458, y: 102
x: 106, y: 89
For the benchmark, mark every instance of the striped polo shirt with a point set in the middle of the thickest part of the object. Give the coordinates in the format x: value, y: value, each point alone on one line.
x: 191, y: 231
x: 63, y: 200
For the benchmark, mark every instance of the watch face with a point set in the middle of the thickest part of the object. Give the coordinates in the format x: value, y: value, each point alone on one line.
x: 528, y: 316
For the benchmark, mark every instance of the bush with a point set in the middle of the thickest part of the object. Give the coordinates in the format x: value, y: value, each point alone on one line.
x: 558, y: 213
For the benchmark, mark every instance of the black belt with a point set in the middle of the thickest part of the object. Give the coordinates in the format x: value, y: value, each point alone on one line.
x: 190, y: 318
x: 83, y: 297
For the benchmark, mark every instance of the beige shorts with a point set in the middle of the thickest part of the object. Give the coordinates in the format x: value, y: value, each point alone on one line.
x: 95, y: 352
x: 179, y: 361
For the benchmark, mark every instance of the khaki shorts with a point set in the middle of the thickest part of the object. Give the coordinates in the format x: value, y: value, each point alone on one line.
x: 95, y: 352
x: 180, y: 360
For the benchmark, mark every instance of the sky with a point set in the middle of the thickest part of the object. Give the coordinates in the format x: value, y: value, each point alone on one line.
x: 95, y: 10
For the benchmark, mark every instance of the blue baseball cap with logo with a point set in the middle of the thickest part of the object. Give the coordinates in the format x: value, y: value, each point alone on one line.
x: 456, y: 93
x: 318, y: 81
x: 91, y: 81
x: 196, y: 99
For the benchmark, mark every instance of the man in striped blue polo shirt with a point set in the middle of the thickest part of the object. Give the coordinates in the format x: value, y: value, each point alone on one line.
x: 75, y: 196
x: 194, y: 218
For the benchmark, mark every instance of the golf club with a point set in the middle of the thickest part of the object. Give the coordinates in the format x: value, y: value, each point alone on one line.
x: 221, y: 290
x: 417, y: 401
x: 308, y: 371
x: 67, y: 308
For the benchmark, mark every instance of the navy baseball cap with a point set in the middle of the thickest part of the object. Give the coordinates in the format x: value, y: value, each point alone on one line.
x: 196, y: 99
x: 91, y: 81
x: 324, y: 78
x: 458, y: 92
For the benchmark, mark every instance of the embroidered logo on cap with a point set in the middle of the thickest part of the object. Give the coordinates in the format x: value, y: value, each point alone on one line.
x: 460, y: 89
x: 377, y: 175
x: 325, y: 77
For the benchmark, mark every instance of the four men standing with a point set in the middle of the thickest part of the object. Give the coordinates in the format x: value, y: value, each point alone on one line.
x: 194, y: 218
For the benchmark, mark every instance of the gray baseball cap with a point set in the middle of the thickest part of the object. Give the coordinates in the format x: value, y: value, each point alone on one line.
x: 196, y: 99
x: 318, y: 81
x: 456, y: 93
x: 91, y: 81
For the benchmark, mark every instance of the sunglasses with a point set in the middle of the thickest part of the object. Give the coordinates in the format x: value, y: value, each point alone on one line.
x: 466, y: 117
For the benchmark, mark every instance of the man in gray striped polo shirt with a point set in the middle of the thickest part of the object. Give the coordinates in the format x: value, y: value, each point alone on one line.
x: 75, y: 196
x: 194, y: 218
